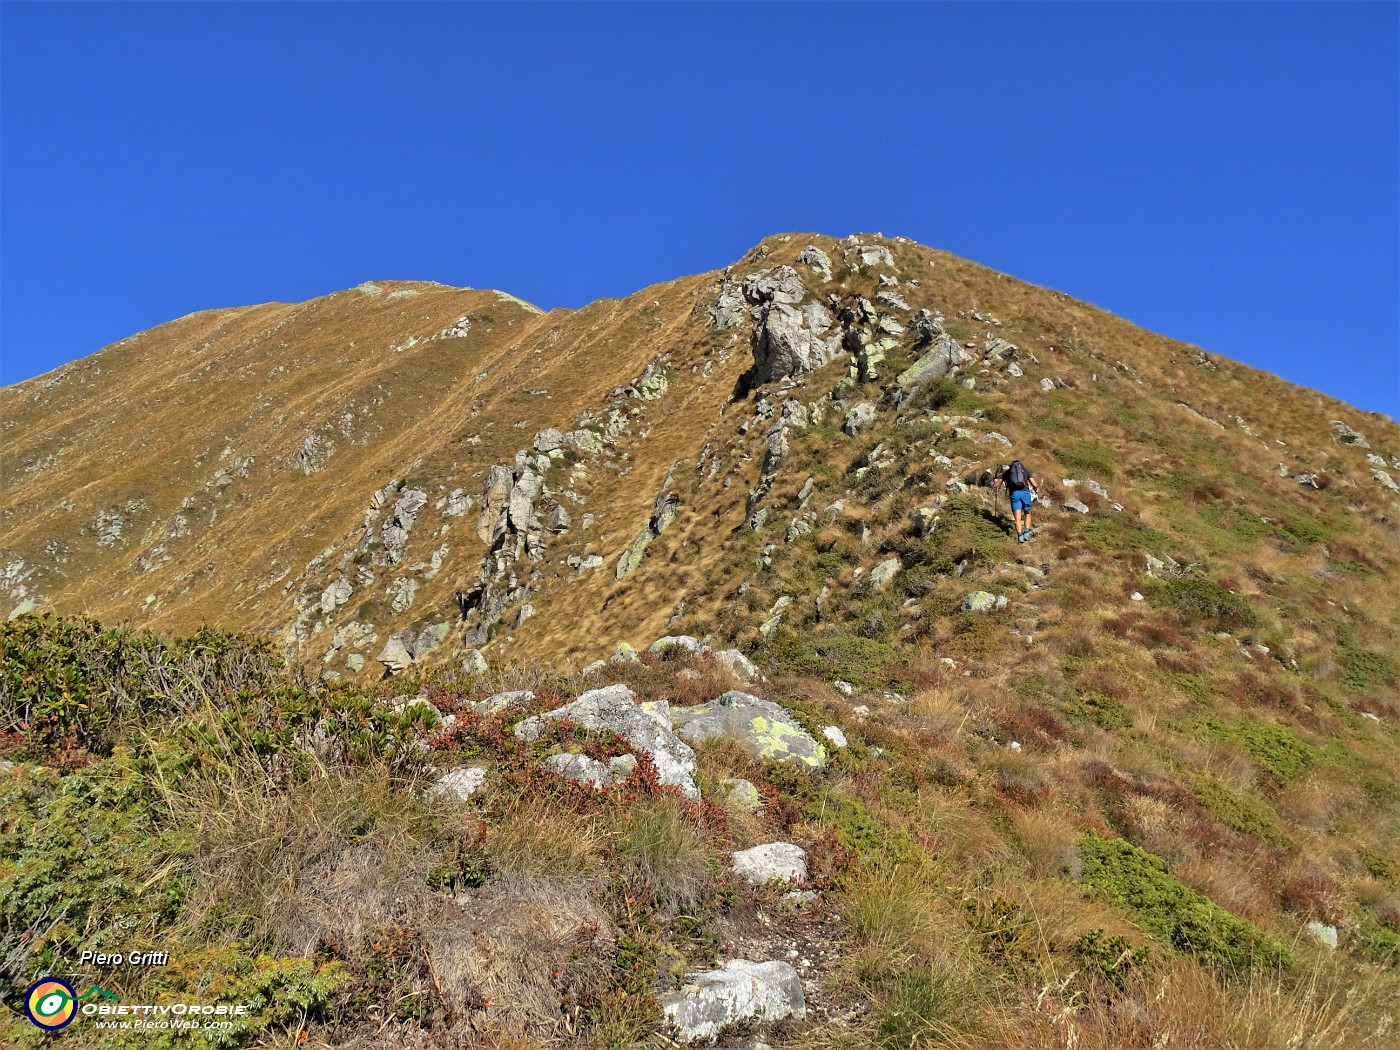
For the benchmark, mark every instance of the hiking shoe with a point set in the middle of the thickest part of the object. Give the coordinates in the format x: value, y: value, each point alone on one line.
x: 1020, y: 537
x: 1025, y: 535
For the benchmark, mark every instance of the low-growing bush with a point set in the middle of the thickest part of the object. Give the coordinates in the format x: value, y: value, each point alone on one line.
x: 1185, y: 919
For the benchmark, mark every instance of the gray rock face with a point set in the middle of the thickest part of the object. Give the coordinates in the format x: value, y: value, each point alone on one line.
x: 729, y: 308
x: 786, y: 341
x: 817, y: 259
x: 1347, y: 436
x: 939, y: 362
x: 859, y: 419
x: 646, y: 727
x: 548, y: 439
x: 740, y: 991
x: 495, y: 497
x: 583, y: 441
x: 460, y: 784
x: 780, y: 861
x: 761, y: 727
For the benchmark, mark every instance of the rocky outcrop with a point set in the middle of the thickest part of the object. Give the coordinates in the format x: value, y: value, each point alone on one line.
x: 646, y: 727
x: 788, y: 339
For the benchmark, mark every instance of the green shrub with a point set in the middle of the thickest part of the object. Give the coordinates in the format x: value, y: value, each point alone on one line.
x: 1185, y: 919
x: 1364, y: 669
x: 1089, y: 458
x: 1098, y: 708
x: 860, y: 661
x: 1206, y: 600
x: 1276, y: 748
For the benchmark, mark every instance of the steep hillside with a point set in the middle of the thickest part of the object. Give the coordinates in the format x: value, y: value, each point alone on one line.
x: 1132, y: 782
x: 324, y: 472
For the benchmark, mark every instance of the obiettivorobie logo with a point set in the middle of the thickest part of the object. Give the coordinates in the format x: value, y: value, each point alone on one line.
x: 51, y: 1003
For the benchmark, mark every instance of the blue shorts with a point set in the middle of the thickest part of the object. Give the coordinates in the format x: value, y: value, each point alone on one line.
x: 1021, y: 499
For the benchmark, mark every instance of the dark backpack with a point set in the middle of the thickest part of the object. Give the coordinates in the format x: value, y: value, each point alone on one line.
x: 1017, y: 476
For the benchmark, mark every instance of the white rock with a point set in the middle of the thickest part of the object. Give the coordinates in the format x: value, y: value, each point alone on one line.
x: 835, y: 735
x: 1321, y: 932
x: 740, y: 991
x: 460, y: 784
x: 774, y: 861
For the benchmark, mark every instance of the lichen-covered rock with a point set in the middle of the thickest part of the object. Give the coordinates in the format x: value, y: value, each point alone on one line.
x: 678, y: 641
x: 817, y: 259
x: 941, y: 359
x: 773, y: 861
x: 647, y: 727
x: 547, y: 440
x: 883, y: 573
x: 740, y: 991
x: 761, y: 727
x: 980, y: 601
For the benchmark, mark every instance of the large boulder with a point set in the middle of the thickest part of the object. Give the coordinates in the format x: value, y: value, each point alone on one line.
x: 761, y: 727
x: 740, y: 991
x: 646, y: 727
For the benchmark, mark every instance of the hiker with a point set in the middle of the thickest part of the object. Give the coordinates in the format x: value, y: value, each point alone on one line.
x: 1021, y: 483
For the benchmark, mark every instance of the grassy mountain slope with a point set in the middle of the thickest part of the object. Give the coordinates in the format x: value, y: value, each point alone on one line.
x: 1100, y: 814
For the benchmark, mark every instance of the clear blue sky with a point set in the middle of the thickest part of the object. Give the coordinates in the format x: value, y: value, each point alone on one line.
x: 1225, y: 174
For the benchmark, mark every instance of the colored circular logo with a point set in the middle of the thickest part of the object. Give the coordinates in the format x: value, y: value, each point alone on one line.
x: 51, y: 1004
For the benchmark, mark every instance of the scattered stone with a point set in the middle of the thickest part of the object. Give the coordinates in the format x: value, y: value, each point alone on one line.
x: 774, y: 862
x: 580, y: 768
x: 1047, y: 385
x: 459, y: 784
x: 835, y: 735
x: 884, y: 572
x: 679, y: 641
x: 1347, y: 436
x: 844, y: 688
x: 1385, y: 480
x: 1076, y: 506
x: 498, y: 702
x: 859, y: 419
x: 1137, y: 597
x: 761, y: 727
x: 980, y: 601
x: 739, y: 665
x: 740, y: 991
x: 624, y: 654
x: 395, y: 655
x: 474, y: 663
x: 1310, y: 480
x: 548, y: 440
x: 1322, y: 933
x: 355, y: 663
